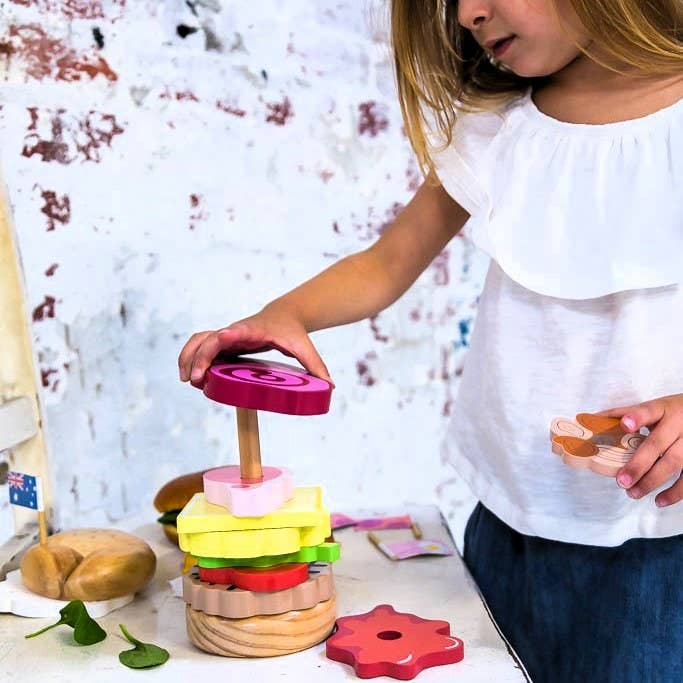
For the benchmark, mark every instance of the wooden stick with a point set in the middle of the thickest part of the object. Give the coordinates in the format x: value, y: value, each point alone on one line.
x: 42, y: 527
x: 250, y: 448
x: 375, y: 540
x: 417, y: 532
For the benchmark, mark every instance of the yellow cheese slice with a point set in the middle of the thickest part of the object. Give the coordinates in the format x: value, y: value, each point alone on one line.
x: 253, y: 542
x: 304, y: 509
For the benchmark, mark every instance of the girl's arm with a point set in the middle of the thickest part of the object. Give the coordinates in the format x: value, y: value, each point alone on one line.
x: 356, y: 287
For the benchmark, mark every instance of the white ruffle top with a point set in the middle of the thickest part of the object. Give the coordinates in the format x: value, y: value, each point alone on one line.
x: 582, y: 309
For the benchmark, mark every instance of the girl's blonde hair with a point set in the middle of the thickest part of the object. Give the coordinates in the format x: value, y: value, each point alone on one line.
x: 438, y: 62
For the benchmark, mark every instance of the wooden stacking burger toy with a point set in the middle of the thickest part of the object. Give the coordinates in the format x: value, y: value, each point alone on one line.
x: 263, y: 581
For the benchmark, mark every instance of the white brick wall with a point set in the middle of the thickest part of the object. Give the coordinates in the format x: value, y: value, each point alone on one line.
x: 162, y: 185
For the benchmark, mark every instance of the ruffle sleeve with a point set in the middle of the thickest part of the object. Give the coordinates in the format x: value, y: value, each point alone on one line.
x: 574, y: 211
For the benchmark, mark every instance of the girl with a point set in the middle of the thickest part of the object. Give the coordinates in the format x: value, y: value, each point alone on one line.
x: 554, y: 129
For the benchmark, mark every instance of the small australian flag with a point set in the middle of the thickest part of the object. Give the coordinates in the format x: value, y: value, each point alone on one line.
x: 25, y: 490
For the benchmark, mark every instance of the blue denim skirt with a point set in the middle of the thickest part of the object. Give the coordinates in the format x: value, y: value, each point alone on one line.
x: 579, y: 613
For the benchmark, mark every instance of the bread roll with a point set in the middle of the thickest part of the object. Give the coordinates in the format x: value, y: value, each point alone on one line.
x: 89, y: 565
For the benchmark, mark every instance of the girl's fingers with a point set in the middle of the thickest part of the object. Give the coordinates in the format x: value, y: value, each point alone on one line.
x: 664, y: 468
x: 635, y: 417
x: 187, y: 354
x: 674, y: 493
x: 658, y: 441
x: 233, y: 337
x: 615, y: 412
x: 309, y: 357
x: 203, y: 347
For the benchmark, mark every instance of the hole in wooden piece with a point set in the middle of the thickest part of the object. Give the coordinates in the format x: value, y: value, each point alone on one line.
x: 389, y: 635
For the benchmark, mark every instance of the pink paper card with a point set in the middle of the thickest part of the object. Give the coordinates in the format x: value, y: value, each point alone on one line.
x: 402, y: 550
x: 340, y: 521
x: 381, y: 523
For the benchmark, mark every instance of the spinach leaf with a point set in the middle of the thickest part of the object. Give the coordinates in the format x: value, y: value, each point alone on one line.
x: 86, y: 630
x: 143, y: 655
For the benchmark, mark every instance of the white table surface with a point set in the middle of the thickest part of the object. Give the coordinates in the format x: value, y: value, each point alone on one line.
x: 430, y: 587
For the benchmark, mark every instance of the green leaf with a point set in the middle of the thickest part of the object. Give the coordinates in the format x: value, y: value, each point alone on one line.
x: 86, y: 630
x: 143, y: 655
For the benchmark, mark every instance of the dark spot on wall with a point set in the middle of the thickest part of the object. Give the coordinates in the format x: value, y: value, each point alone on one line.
x: 45, y: 310
x: 183, y: 30
x: 335, y: 227
x: 264, y: 74
x: 186, y: 95
x: 197, y: 212
x: 57, y: 209
x: 280, y: 112
x: 376, y: 333
x: 99, y: 38
x: 413, y: 176
x: 365, y: 376
x: 464, y: 328
x: 230, y: 108
x: 441, y: 270
x: 45, y: 376
x: 372, y: 119
x: 123, y: 314
x: 211, y: 41
x: 51, y: 270
x: 68, y: 139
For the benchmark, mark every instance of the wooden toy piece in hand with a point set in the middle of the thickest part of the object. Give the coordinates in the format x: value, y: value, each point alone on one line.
x: 88, y: 565
x: 266, y: 385
x: 594, y: 442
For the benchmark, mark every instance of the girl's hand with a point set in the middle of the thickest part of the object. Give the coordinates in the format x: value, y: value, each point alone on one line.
x: 660, y: 456
x: 269, y: 329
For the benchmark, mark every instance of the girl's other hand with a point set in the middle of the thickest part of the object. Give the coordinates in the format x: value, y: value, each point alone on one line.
x: 261, y: 332
x: 660, y: 456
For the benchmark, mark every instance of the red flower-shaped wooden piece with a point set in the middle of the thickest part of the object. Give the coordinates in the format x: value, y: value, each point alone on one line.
x: 384, y: 642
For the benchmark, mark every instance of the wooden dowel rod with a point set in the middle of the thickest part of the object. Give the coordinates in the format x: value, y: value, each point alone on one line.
x: 250, y: 448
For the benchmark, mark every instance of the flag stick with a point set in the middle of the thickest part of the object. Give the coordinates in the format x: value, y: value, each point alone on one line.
x: 42, y: 526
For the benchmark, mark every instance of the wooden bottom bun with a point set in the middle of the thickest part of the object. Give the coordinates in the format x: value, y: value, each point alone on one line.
x: 261, y: 636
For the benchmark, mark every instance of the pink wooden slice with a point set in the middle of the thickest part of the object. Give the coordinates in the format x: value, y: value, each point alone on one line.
x: 266, y: 385
x: 224, y: 486
x: 593, y: 442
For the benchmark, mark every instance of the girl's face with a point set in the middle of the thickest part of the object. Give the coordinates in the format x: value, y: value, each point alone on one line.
x: 525, y: 35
